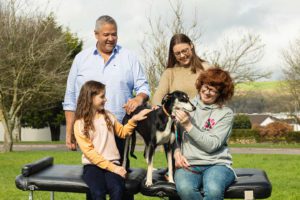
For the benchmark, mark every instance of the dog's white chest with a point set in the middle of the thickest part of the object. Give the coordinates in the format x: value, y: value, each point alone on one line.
x: 164, y: 136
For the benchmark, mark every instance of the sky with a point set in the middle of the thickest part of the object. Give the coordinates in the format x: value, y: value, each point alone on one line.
x: 276, y: 21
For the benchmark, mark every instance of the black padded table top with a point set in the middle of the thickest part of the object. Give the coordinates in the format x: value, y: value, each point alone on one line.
x: 66, y: 178
x: 45, y: 176
x: 248, y: 180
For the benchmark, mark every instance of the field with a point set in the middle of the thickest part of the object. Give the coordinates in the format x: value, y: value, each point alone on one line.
x: 283, y: 172
x: 266, y: 85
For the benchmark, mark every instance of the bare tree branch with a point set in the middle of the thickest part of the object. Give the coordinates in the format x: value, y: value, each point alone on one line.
x: 291, y: 70
x: 239, y: 57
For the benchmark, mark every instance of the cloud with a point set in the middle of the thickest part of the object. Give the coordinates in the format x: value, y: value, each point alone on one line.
x: 277, y: 21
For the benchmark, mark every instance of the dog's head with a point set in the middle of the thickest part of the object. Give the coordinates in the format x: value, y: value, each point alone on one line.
x: 177, y: 100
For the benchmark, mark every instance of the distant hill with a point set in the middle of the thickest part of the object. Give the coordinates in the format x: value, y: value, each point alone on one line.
x: 264, y: 86
x: 259, y: 97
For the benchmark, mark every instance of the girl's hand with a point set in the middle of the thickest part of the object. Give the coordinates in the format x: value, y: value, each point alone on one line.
x: 154, y: 107
x: 180, y: 160
x: 141, y: 115
x: 184, y: 119
x: 120, y: 171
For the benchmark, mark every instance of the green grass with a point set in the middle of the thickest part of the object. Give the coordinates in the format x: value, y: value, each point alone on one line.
x: 267, y: 145
x: 283, y: 172
x: 266, y: 85
x: 141, y: 142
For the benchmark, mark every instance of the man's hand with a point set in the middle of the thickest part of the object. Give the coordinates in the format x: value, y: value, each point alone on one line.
x: 71, y: 142
x: 180, y: 160
x: 132, y: 104
x: 70, y: 138
x: 120, y: 171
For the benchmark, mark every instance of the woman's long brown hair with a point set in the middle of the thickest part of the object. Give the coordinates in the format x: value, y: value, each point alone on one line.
x: 85, y: 110
x: 196, y: 62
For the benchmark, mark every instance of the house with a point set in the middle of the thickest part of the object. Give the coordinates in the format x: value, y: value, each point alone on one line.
x: 261, y: 119
x: 292, y: 122
x: 265, y: 119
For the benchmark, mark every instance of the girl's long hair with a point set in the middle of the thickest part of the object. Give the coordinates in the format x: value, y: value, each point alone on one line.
x: 196, y: 62
x: 85, y: 110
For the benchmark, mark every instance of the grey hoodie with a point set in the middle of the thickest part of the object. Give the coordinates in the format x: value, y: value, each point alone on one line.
x: 206, y: 142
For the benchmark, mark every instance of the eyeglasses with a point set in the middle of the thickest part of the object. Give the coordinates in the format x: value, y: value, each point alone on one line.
x: 209, y: 89
x: 183, y: 51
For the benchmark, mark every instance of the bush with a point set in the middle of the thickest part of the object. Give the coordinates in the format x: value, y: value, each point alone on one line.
x: 275, y: 130
x: 244, y: 136
x: 293, y: 136
x: 241, y: 122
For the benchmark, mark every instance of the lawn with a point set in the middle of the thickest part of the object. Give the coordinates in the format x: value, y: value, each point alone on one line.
x: 141, y: 142
x: 283, y: 172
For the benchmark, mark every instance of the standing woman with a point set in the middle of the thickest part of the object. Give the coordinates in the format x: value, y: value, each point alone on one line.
x: 204, y: 160
x: 183, y: 68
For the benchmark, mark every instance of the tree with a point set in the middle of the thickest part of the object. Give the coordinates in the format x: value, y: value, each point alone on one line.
x: 291, y: 57
x: 155, y: 43
x: 238, y: 57
x: 40, y: 118
x: 45, y: 113
x: 241, y: 122
x: 34, y: 62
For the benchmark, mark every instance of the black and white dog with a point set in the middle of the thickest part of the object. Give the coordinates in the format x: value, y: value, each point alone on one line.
x: 158, y: 129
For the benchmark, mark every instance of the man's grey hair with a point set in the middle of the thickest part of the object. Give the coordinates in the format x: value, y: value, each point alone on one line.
x: 104, y: 19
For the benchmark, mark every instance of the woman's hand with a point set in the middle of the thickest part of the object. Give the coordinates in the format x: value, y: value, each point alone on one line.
x: 120, y: 171
x: 180, y: 160
x: 184, y: 119
x: 141, y: 115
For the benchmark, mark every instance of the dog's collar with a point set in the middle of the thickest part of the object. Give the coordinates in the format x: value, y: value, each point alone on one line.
x: 165, y: 111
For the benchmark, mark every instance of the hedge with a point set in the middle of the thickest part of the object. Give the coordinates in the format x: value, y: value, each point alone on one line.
x: 293, y: 136
x: 244, y: 134
x: 248, y: 135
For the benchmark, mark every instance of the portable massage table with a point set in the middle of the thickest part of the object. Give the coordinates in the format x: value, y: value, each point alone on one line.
x: 43, y: 175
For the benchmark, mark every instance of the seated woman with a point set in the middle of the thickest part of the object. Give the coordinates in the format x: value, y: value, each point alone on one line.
x: 203, y: 159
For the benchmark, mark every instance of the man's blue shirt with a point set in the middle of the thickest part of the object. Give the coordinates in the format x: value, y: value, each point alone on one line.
x: 122, y: 74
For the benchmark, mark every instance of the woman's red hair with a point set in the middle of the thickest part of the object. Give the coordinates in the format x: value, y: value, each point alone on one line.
x: 220, y: 79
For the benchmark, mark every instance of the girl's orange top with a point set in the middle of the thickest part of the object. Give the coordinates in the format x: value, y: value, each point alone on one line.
x: 100, y: 148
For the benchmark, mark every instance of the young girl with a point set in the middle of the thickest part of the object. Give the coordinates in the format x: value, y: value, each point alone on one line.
x: 94, y: 130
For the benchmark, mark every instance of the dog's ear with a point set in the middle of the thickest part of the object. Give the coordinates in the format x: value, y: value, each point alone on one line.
x: 165, y: 99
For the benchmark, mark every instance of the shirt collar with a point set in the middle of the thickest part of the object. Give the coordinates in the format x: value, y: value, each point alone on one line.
x: 178, y: 65
x: 115, y: 50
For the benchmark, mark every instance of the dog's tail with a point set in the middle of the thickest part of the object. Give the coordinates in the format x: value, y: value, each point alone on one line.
x: 132, y: 145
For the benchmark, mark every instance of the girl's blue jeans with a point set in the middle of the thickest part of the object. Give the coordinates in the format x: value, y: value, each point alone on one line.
x: 213, y: 179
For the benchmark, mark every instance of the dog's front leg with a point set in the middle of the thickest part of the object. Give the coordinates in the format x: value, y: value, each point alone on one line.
x: 170, y: 165
x: 149, y: 173
x: 125, y: 154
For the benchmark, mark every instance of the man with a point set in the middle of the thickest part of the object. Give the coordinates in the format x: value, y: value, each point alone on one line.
x: 112, y: 65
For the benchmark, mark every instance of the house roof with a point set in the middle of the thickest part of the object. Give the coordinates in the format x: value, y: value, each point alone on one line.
x: 258, y: 119
x: 290, y: 121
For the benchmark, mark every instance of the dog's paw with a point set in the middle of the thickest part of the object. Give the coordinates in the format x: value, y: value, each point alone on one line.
x: 148, y: 183
x: 171, y: 180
